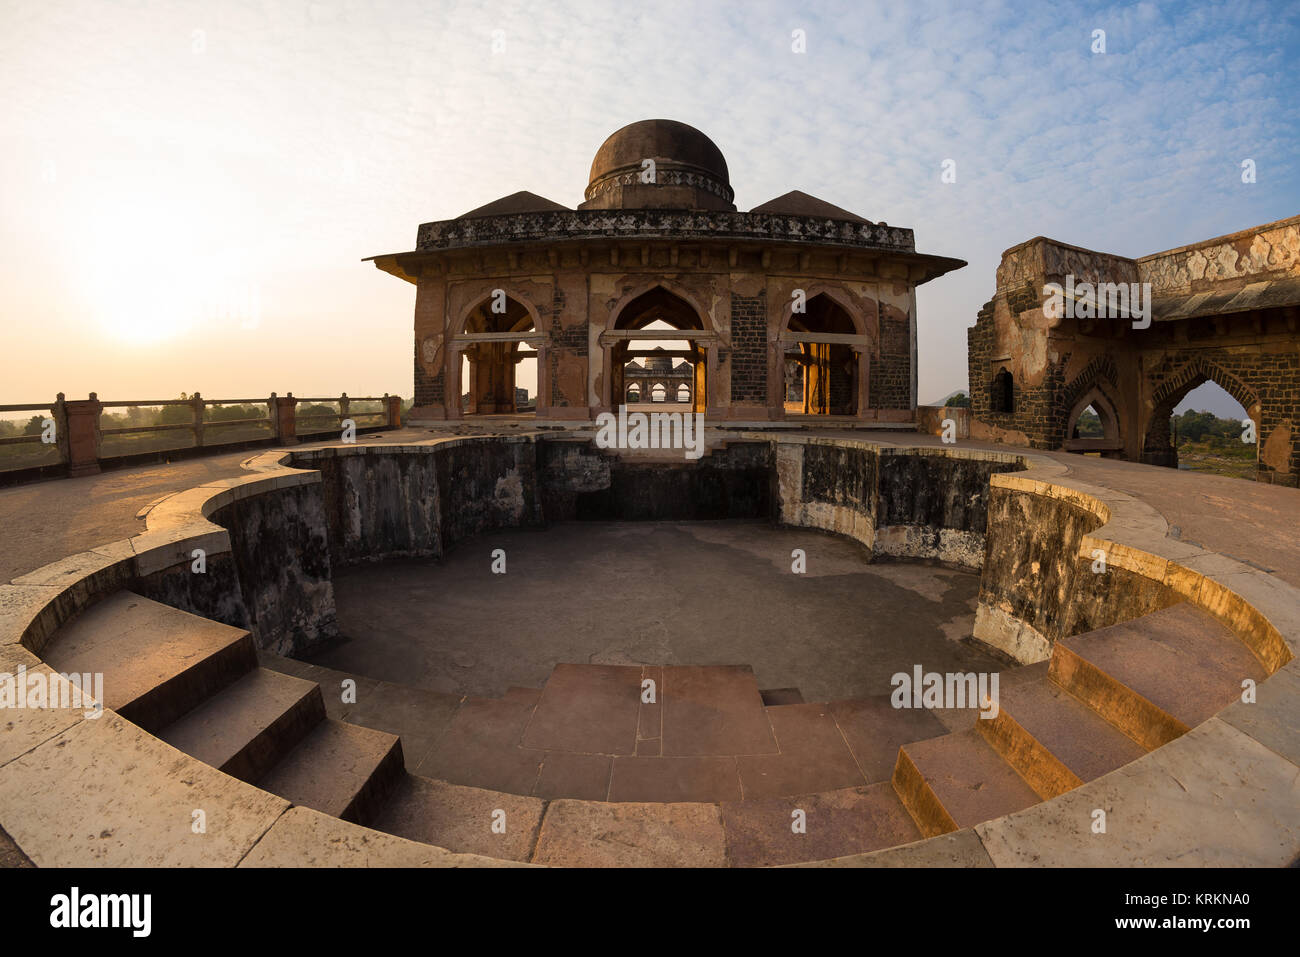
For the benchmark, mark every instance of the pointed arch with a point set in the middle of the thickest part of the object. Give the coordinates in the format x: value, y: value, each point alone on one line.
x: 1157, y: 441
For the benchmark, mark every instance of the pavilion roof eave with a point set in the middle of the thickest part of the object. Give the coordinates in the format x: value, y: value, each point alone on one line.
x: 933, y: 266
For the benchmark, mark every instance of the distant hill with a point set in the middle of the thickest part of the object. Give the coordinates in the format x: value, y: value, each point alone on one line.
x: 962, y: 396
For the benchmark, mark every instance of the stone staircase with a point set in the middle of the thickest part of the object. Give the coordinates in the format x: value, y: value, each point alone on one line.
x: 1103, y: 699
x: 713, y: 770
x: 196, y: 684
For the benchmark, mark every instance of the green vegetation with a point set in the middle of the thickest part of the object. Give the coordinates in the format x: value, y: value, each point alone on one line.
x: 1207, y: 443
x: 222, y: 424
x: 1089, y: 425
x: 10, y: 428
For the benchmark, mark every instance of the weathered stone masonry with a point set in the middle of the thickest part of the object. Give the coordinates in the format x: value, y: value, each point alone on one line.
x: 1224, y: 310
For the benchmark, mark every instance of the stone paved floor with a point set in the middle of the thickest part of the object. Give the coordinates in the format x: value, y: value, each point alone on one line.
x: 626, y: 593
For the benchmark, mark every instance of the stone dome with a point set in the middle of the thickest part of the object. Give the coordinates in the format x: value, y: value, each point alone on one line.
x: 689, y: 169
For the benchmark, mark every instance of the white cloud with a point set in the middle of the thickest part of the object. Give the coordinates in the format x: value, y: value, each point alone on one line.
x: 319, y: 133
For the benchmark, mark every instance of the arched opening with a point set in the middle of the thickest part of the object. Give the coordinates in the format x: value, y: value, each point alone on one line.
x: 1093, y: 426
x: 821, y: 377
x: 633, y: 394
x: 1203, y: 427
x: 499, y: 369
x: 1002, y: 393
x: 1087, y: 425
x: 647, y: 355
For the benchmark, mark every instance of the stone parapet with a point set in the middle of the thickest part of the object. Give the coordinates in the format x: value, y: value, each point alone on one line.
x: 558, y: 226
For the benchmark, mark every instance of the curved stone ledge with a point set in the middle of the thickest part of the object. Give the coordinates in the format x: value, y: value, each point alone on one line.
x: 1225, y: 793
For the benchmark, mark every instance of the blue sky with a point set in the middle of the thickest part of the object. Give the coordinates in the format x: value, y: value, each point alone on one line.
x: 187, y: 190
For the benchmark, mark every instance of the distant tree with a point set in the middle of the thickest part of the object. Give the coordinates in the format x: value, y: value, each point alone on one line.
x: 34, y: 425
x: 958, y: 400
x: 1206, y: 427
x: 176, y: 414
x: 225, y: 413
x: 1089, y: 425
x: 315, y: 409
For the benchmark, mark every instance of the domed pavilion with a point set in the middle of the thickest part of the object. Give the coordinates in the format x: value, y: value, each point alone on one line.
x: 795, y: 311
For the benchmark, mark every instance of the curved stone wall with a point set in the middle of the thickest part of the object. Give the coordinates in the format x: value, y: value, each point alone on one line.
x: 1038, y: 585
x: 917, y: 504
x: 1227, y: 788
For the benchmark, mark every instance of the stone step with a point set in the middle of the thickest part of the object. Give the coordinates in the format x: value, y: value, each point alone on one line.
x: 339, y: 769
x: 1054, y: 740
x: 874, y: 731
x: 834, y: 824
x: 462, y: 819
x: 1157, y: 676
x: 713, y: 710
x: 813, y: 756
x: 247, y: 727
x: 588, y: 708
x: 158, y: 662
x: 601, y: 834
x: 957, y: 781
x: 480, y: 747
x: 776, y: 696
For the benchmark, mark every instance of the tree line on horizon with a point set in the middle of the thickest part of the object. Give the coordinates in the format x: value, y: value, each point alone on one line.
x: 140, y: 416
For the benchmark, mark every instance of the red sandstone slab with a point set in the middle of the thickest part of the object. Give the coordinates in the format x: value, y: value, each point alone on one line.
x: 650, y: 723
x: 1077, y: 736
x: 571, y: 774
x: 836, y: 824
x: 480, y: 747
x: 1178, y: 658
x: 674, y: 779
x: 461, y: 818
x: 969, y: 778
x: 875, y: 730
x: 598, y: 834
x: 588, y: 708
x: 713, y: 710
x: 813, y: 757
x: 419, y: 716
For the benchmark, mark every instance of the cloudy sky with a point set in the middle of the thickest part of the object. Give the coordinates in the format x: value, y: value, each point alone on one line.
x: 187, y: 189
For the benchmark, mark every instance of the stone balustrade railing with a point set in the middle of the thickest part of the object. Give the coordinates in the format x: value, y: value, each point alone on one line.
x: 79, y: 441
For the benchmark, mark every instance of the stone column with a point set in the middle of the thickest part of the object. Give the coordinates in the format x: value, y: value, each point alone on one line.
x: 286, y: 427
x: 82, y: 417
x: 393, y: 409
x: 864, y: 378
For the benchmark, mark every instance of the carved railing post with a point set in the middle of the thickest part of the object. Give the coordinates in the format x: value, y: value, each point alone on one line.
x: 83, y: 435
x: 285, y: 419
x: 197, y: 404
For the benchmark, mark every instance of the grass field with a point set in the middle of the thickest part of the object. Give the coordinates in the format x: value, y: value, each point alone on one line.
x: 1218, y: 458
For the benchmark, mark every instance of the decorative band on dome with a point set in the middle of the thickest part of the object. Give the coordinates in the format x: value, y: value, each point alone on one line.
x: 664, y: 176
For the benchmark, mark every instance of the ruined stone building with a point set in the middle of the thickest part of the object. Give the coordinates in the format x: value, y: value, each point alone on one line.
x: 659, y: 379
x: 1223, y: 310
x: 796, y: 309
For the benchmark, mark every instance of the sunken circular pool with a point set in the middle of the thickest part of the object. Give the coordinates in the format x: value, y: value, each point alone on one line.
x: 806, y: 609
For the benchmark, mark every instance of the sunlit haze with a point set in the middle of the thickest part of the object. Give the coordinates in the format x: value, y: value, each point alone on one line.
x: 188, y: 190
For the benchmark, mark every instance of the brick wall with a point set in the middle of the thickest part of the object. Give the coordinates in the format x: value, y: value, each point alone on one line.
x: 428, y: 389
x: 891, y: 371
x: 563, y: 341
x: 749, y: 349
